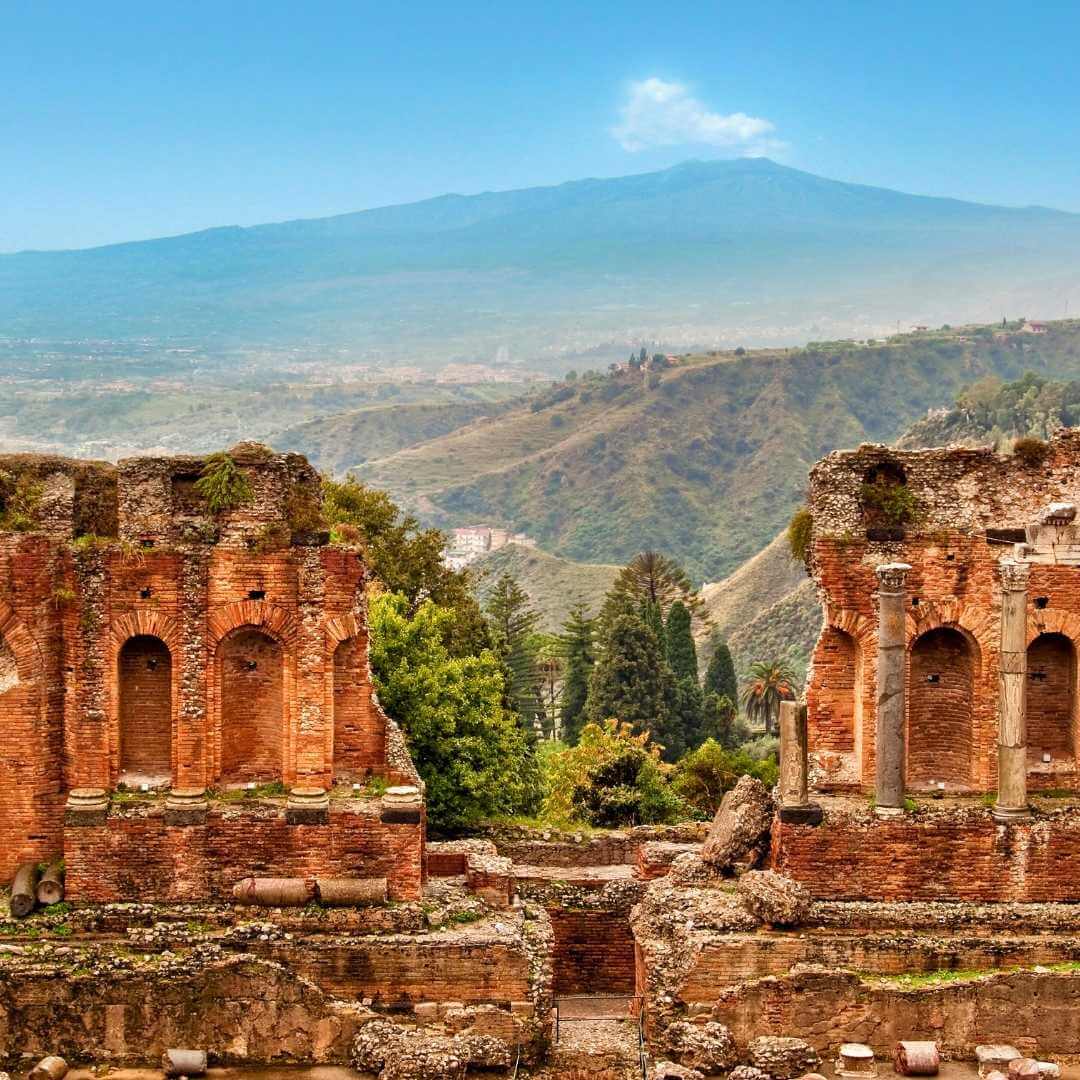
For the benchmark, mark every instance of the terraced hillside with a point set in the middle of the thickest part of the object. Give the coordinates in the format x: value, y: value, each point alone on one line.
x: 705, y: 460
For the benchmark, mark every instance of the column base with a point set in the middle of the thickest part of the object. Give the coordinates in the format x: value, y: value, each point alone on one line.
x: 1005, y: 815
x: 807, y: 814
x: 888, y: 811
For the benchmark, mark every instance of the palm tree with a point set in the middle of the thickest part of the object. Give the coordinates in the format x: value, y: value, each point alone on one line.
x: 768, y: 683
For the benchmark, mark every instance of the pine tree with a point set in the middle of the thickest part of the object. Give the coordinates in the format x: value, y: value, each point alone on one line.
x: 578, y: 659
x: 513, y: 623
x: 631, y: 680
x: 720, y: 674
x: 652, y: 578
x: 679, y: 643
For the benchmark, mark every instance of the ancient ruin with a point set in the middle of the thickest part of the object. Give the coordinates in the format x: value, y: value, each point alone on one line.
x: 191, y: 729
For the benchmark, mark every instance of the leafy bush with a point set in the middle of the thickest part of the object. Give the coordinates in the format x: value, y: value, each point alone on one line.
x: 799, y: 533
x: 611, y: 778
x: 222, y: 484
x: 1031, y: 451
x: 702, y: 776
x: 892, y: 502
x: 19, y: 499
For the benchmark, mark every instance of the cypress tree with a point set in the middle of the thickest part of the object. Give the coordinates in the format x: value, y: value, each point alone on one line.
x: 513, y: 623
x: 578, y: 658
x: 720, y: 674
x: 631, y: 680
x: 679, y: 643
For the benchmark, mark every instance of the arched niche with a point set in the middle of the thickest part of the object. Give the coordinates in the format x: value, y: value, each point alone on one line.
x: 144, y: 682
x: 1051, y: 699
x: 251, y: 669
x: 940, y: 700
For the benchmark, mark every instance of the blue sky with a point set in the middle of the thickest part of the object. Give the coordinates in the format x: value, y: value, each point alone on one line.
x: 129, y: 120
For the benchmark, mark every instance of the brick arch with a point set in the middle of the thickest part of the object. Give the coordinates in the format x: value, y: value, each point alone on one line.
x: 259, y: 614
x: 145, y: 623
x: 356, y: 734
x: 28, y: 661
x: 279, y: 625
x: 148, y: 623
x: 1053, y: 621
x: 978, y: 625
x: 840, y: 699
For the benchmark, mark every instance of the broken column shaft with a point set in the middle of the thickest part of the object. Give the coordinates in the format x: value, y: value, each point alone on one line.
x: 889, y: 735
x: 795, y: 806
x: 1011, y: 802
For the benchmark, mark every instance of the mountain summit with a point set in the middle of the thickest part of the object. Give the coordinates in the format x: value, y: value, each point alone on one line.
x: 695, y: 252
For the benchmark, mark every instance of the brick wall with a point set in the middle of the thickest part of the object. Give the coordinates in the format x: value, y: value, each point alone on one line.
x: 837, y: 670
x: 939, y: 710
x: 139, y: 857
x: 594, y: 952
x: 359, y: 738
x: 145, y: 707
x: 947, y: 855
x: 1051, y: 696
x: 251, y: 666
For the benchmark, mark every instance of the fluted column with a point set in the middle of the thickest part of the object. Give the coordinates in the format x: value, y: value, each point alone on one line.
x: 1012, y: 804
x: 889, y: 729
x: 795, y: 805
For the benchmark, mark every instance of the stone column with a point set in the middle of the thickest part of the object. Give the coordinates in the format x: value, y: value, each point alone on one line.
x: 1011, y: 802
x: 891, y: 656
x: 795, y: 806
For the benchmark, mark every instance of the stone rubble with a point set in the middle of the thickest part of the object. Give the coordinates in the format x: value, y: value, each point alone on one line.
x: 773, y: 898
x: 740, y: 830
x: 783, y: 1057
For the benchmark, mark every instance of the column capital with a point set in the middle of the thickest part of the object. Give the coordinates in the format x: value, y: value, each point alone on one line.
x: 891, y: 576
x: 1014, y: 574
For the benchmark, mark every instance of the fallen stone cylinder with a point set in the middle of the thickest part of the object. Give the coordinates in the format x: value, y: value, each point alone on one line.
x: 916, y: 1058
x: 349, y: 892
x: 274, y: 892
x: 50, y: 889
x: 184, y: 1062
x: 1023, y: 1069
x: 24, y: 890
x: 49, y: 1068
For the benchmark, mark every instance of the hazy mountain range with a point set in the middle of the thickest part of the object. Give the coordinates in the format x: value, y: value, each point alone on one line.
x: 705, y: 252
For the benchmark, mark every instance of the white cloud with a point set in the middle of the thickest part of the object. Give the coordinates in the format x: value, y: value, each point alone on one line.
x: 659, y: 113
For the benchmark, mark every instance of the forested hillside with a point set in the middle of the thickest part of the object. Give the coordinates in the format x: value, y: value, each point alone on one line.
x: 705, y: 459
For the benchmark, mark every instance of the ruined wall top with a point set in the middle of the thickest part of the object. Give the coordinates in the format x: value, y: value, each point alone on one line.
x: 877, y: 490
x: 151, y: 500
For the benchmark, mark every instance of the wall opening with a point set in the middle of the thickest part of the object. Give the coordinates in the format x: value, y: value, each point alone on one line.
x: 9, y: 668
x: 940, y: 728
x: 1051, y: 697
x: 838, y: 700
x: 358, y: 737
x: 251, y: 679
x: 145, y: 691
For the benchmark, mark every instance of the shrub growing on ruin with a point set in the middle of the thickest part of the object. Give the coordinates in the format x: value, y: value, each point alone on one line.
x: 1031, y: 451
x: 222, y: 484
x: 890, y: 502
x: 19, y: 499
x: 800, y: 531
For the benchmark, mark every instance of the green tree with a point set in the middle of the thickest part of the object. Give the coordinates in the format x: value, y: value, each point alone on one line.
x: 405, y: 558
x: 631, y: 680
x: 702, y: 776
x: 720, y: 674
x: 513, y: 624
x: 613, y: 777
x: 578, y: 659
x: 679, y: 643
x: 474, y: 758
x: 769, y: 682
x: 720, y: 721
x: 652, y: 578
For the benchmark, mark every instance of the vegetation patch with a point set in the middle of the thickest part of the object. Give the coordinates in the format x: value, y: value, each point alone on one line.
x: 222, y: 484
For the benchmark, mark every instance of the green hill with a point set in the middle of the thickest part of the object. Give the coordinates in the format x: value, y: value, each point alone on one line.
x: 554, y: 585
x: 342, y: 441
x: 706, y: 460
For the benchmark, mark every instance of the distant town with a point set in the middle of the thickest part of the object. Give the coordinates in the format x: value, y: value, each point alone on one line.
x: 473, y: 541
